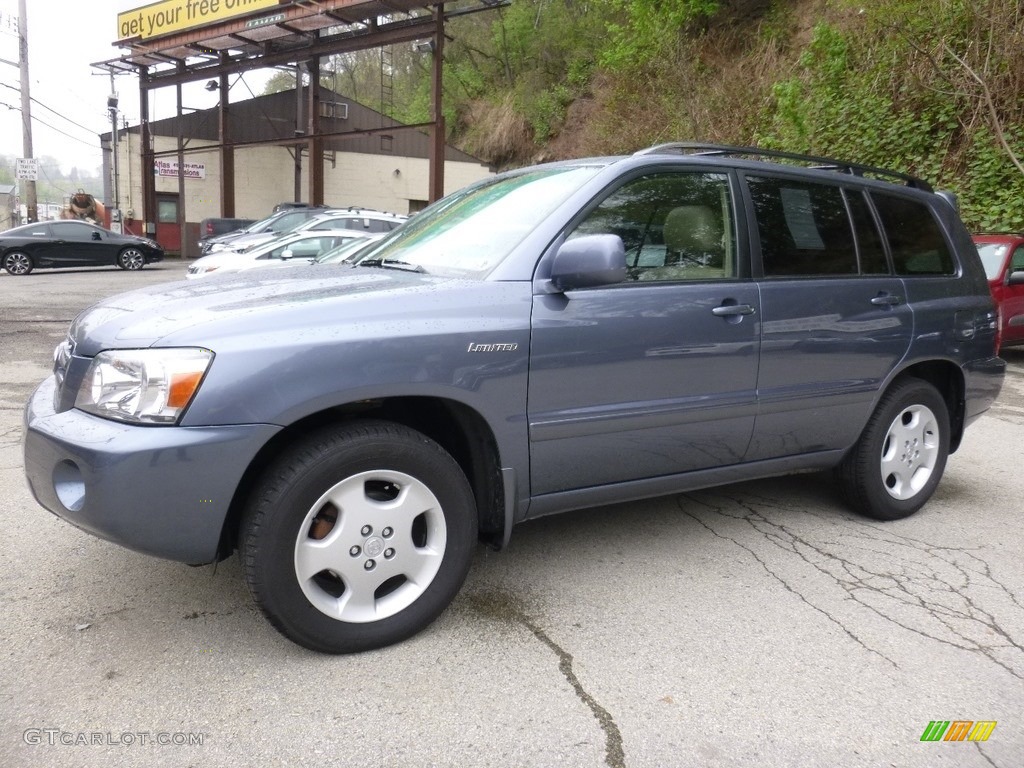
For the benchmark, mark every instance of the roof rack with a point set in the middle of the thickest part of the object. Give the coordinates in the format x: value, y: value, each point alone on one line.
x: 822, y: 163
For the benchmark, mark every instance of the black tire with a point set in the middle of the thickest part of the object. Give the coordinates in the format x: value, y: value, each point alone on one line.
x: 899, y: 459
x: 131, y: 258
x: 399, y: 505
x: 18, y: 263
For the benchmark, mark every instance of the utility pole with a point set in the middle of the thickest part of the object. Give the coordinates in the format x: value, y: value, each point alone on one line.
x: 31, y: 208
x: 115, y: 213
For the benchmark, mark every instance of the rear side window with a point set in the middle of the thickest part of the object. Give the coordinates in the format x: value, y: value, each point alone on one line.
x: 71, y: 230
x: 915, y: 238
x: 803, y: 227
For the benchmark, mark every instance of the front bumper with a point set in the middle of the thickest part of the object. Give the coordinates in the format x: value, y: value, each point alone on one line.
x: 164, y: 491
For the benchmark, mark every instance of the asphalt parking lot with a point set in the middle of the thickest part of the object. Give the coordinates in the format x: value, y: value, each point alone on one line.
x: 759, y: 624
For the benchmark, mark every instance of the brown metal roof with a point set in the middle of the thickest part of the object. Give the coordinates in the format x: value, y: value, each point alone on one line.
x: 270, y: 119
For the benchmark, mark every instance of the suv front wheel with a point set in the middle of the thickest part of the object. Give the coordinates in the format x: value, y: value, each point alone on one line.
x: 358, y: 537
x: 899, y: 459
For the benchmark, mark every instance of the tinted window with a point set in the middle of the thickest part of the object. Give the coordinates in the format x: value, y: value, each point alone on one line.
x: 915, y: 239
x: 674, y: 226
x: 804, y: 228
x: 69, y: 230
x: 1017, y: 262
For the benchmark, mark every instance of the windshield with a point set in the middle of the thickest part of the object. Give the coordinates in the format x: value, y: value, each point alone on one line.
x: 470, y: 232
x: 992, y: 255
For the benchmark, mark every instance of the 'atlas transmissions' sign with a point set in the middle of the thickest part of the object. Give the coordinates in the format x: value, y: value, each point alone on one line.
x: 168, y: 16
x: 170, y: 168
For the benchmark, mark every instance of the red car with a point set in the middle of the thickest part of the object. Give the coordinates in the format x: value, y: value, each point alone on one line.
x: 1003, y: 257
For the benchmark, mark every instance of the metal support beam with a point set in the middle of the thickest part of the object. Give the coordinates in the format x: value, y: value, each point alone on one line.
x: 398, y: 32
x: 227, y: 152
x: 148, y: 177
x: 316, y: 141
x: 436, y: 155
x: 182, y: 227
x: 300, y: 130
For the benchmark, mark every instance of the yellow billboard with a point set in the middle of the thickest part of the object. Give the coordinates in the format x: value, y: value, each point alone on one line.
x: 168, y: 16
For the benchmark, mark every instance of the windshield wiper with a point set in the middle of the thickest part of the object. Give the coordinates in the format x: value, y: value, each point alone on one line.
x: 391, y: 264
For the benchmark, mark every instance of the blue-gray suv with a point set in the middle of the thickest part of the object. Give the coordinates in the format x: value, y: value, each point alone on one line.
x: 548, y: 339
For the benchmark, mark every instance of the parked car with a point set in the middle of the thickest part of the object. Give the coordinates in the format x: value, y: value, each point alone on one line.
x: 357, y: 219
x: 296, y: 248
x: 548, y: 339
x: 287, y: 205
x: 263, y: 230
x: 210, y: 228
x: 1003, y: 257
x: 73, y: 244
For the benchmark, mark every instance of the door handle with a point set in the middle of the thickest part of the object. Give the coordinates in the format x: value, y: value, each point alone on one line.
x: 732, y: 310
x: 886, y: 300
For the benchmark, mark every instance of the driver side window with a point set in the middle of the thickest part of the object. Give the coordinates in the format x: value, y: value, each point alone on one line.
x: 1017, y: 261
x: 674, y: 226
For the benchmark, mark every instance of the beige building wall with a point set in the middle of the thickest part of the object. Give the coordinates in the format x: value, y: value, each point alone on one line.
x: 265, y: 176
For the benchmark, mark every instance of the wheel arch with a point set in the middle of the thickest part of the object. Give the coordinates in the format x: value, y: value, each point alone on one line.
x: 948, y: 379
x: 456, y: 427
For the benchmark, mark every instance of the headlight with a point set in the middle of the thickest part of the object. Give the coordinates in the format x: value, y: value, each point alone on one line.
x: 152, y: 386
x: 217, y: 247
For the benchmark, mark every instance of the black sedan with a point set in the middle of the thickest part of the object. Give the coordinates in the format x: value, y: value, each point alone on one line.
x: 72, y: 244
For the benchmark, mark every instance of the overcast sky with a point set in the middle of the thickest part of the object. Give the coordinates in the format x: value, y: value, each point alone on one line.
x: 69, y: 107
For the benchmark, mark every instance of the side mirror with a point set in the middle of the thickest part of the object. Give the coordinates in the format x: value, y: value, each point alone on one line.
x: 97, y: 236
x: 588, y: 262
x: 1016, y: 278
x: 287, y: 253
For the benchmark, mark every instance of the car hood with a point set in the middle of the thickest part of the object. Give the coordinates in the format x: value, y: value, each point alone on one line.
x: 142, y: 241
x: 226, y: 260
x: 198, y: 312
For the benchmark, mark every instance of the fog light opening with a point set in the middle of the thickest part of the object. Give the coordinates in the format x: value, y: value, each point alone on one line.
x: 69, y: 485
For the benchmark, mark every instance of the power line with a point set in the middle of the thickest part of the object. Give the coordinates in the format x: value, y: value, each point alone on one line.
x: 64, y: 133
x: 58, y: 114
x: 51, y: 127
x: 50, y: 109
x: 51, y: 181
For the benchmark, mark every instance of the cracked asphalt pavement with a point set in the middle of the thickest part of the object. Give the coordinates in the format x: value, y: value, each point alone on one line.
x: 759, y: 624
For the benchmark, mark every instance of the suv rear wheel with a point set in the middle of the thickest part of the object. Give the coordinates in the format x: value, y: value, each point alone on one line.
x: 899, y: 459
x: 358, y: 537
